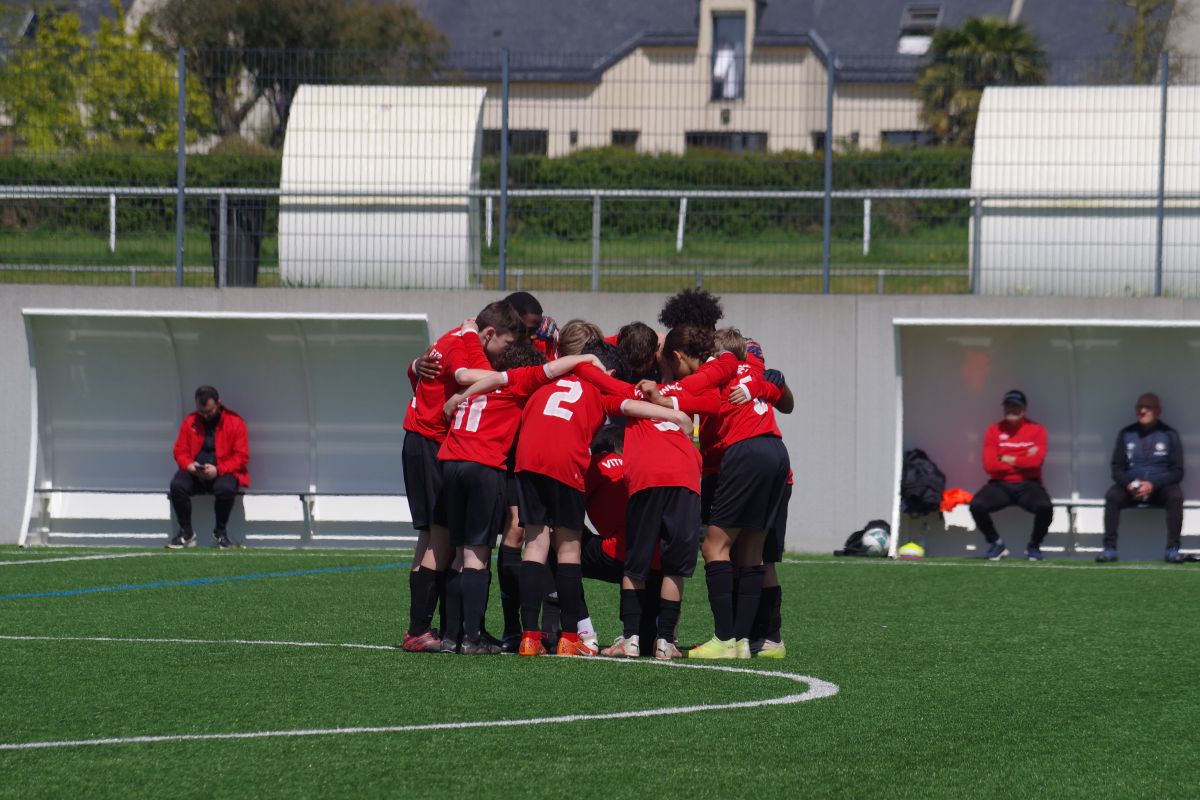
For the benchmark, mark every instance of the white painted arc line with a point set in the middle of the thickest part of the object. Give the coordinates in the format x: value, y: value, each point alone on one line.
x: 995, y: 565
x: 817, y: 689
x: 75, y: 558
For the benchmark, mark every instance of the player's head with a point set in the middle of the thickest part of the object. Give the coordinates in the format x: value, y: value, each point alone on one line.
x: 528, y: 309
x: 1014, y: 404
x: 730, y: 340
x: 520, y: 354
x: 686, y: 348
x: 612, y: 358
x: 609, y: 439
x: 499, y: 326
x: 639, y: 342
x: 576, y: 335
x: 698, y: 307
x: 208, y: 401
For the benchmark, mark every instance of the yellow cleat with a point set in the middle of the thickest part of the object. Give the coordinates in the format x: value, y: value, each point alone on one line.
x: 770, y: 649
x: 715, y: 648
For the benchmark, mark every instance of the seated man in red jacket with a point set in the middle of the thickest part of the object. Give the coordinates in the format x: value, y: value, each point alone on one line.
x: 1013, y: 452
x: 212, y: 452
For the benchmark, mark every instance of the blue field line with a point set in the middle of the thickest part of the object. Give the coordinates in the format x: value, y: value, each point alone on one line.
x: 203, y: 581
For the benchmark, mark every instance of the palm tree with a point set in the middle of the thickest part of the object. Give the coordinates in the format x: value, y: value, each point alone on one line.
x: 983, y: 52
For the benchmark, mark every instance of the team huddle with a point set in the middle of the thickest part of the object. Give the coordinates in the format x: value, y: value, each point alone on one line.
x: 522, y: 431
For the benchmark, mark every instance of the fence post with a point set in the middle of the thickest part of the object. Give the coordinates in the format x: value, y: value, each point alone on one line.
x: 595, y: 242
x: 223, y: 241
x: 181, y: 169
x: 1165, y: 68
x: 503, y: 269
x: 112, y: 222
x: 827, y: 226
x: 682, y: 223
x: 866, y: 226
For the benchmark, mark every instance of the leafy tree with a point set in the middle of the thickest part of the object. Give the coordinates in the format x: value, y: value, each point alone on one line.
x: 983, y: 52
x: 1141, y: 29
x: 40, y: 86
x: 246, y: 51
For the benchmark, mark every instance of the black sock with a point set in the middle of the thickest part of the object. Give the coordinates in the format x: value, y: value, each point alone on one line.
x: 551, y: 606
x: 422, y: 592
x: 631, y: 611
x: 508, y: 564
x: 749, y: 592
x: 668, y: 618
x: 440, y: 594
x: 452, y: 606
x: 719, y: 576
x: 533, y: 589
x: 474, y: 600
x: 570, y: 594
x: 772, y: 598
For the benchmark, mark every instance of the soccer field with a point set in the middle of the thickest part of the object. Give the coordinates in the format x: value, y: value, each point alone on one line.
x: 273, y: 673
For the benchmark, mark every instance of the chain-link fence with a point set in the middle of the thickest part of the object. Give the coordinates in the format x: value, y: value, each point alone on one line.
x: 786, y: 169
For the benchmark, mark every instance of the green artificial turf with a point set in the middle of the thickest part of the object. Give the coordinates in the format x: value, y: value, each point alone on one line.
x: 956, y: 679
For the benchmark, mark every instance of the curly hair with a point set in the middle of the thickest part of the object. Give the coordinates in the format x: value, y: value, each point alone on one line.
x: 577, y: 335
x: 520, y: 354
x: 698, y: 307
x: 612, y: 357
x: 639, y: 342
x: 691, y: 340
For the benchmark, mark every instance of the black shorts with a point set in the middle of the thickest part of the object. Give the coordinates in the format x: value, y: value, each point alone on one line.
x: 598, y: 564
x: 708, y: 489
x: 472, y: 503
x: 545, y: 501
x: 777, y: 533
x: 750, y: 485
x: 510, y: 490
x: 422, y: 478
x: 668, y: 516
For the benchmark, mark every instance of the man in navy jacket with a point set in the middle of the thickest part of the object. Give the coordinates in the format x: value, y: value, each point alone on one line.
x: 1147, y: 467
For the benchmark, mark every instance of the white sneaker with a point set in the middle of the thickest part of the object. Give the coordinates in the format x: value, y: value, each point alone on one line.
x: 665, y: 650
x: 623, y: 648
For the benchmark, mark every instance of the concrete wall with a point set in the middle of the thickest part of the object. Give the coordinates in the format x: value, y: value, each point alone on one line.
x: 838, y: 353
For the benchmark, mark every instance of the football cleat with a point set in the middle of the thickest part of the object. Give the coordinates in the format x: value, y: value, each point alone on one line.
x: 765, y: 648
x: 569, y: 644
x: 427, y: 642
x: 665, y: 650
x: 743, y: 648
x: 531, y: 644
x: 716, y: 648
x: 181, y: 540
x: 479, y: 647
x: 624, y: 647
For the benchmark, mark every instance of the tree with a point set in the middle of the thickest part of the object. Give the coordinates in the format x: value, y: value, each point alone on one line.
x: 1141, y: 28
x: 983, y: 52
x: 40, y: 86
x: 249, y: 50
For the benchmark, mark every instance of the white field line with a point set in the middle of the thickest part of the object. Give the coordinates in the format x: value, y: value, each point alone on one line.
x: 35, y: 560
x: 817, y: 689
x: 982, y: 564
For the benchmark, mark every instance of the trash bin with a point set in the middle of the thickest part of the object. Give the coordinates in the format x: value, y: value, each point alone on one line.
x: 245, y: 218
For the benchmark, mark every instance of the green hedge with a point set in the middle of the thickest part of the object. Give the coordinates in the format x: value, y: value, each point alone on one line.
x: 606, y: 168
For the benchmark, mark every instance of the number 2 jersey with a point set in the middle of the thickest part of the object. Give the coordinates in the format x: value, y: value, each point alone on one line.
x: 557, y: 427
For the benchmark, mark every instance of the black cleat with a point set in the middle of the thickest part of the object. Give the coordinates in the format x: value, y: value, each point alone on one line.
x: 223, y: 540
x: 181, y: 540
x: 479, y: 647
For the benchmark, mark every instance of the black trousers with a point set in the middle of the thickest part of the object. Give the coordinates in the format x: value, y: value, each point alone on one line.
x: 1117, y: 499
x: 185, y: 485
x: 1029, y: 495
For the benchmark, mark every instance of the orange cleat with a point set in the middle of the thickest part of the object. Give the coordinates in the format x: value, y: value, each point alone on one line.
x: 569, y: 644
x: 531, y: 644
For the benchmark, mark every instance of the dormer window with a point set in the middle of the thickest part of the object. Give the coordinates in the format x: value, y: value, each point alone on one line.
x: 917, y: 26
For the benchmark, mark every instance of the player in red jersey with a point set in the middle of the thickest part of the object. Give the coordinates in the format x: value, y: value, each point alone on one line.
x: 573, y: 338
x: 542, y: 330
x: 750, y: 486
x: 557, y: 427
x: 663, y: 470
x: 471, y: 346
x: 473, y: 457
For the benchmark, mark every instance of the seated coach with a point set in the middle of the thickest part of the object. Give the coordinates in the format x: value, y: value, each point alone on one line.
x: 1147, y: 467
x: 212, y: 451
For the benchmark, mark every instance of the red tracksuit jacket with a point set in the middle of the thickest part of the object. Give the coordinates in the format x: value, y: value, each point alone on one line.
x: 232, y: 444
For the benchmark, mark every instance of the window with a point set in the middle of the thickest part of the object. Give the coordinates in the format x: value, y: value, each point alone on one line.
x: 521, y: 142
x: 918, y: 23
x: 818, y: 141
x: 627, y: 139
x: 729, y: 57
x: 907, y: 138
x: 730, y: 141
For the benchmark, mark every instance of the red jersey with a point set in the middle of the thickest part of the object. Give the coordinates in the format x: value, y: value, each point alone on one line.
x: 557, y: 429
x: 484, y: 426
x: 456, y: 349
x: 607, y: 499
x: 716, y: 372
x: 756, y: 418
x: 1003, y: 439
x: 656, y: 453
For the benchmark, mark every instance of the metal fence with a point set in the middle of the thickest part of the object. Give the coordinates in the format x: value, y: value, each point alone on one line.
x: 791, y: 170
